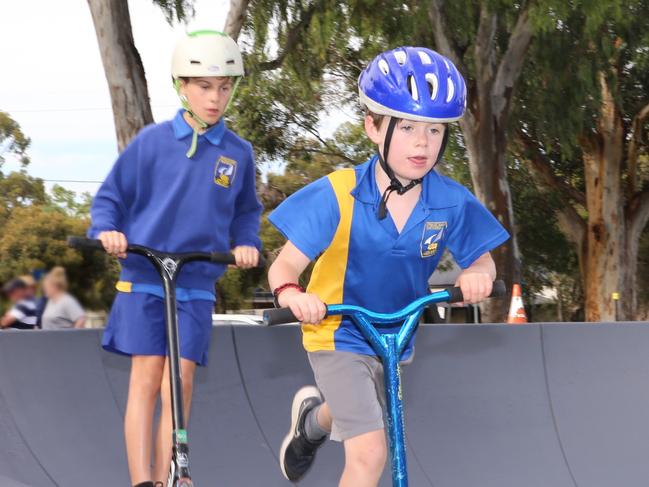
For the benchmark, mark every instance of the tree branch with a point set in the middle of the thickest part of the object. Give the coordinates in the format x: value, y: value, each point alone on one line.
x: 340, y: 155
x: 292, y: 38
x: 636, y: 140
x: 485, y: 47
x: 236, y: 18
x: 511, y: 63
x: 541, y: 165
x: 445, y: 44
x: 318, y: 137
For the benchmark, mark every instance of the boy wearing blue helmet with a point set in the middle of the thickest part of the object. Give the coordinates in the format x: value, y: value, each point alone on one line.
x: 378, y: 231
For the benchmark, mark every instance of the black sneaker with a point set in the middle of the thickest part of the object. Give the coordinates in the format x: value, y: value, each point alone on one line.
x: 297, y: 452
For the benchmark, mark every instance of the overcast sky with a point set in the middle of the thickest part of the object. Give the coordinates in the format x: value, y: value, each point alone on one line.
x: 53, y: 82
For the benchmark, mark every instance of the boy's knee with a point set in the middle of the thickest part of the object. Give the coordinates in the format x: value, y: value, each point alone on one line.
x: 146, y: 388
x: 368, y: 455
x: 148, y: 384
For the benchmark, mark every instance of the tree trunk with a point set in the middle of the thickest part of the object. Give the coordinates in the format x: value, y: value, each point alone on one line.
x: 636, y: 216
x: 489, y: 176
x: 485, y: 124
x: 123, y: 67
x: 236, y: 18
x: 604, y: 270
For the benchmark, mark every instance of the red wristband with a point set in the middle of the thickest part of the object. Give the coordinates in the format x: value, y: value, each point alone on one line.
x: 278, y: 290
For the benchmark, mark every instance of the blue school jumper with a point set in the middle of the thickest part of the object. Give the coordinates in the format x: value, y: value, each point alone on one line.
x: 364, y: 261
x: 160, y: 198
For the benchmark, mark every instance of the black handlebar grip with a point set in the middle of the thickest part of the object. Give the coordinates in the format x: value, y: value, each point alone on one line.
x: 85, y: 243
x: 456, y: 295
x: 228, y: 259
x: 499, y: 289
x: 279, y: 316
x: 222, y: 258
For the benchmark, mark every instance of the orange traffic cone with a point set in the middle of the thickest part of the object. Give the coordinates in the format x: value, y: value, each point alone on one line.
x: 516, y: 309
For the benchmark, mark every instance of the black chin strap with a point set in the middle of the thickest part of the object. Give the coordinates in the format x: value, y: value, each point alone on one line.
x: 395, y: 184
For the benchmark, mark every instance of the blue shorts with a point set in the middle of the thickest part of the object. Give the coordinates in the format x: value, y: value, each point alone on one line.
x: 136, y: 326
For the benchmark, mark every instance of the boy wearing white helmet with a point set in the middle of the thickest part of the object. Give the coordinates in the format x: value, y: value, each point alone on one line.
x: 183, y: 185
x: 391, y: 216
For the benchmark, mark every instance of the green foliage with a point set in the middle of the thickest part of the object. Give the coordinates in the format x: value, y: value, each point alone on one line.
x: 69, y: 202
x: 34, y: 237
x: 176, y: 10
x: 18, y: 190
x: 546, y: 252
x: 12, y: 140
x: 35, y: 226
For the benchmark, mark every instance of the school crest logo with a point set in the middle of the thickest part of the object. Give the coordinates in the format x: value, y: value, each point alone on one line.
x: 224, y: 171
x: 434, y: 234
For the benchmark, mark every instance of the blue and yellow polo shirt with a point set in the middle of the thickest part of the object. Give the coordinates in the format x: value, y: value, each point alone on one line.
x: 364, y: 261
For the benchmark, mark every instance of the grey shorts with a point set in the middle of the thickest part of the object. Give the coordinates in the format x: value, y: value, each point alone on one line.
x: 352, y: 386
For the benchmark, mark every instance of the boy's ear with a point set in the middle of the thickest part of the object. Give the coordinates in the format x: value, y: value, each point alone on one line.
x: 370, y: 129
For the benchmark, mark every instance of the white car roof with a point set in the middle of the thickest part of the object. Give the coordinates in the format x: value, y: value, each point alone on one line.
x: 236, y: 319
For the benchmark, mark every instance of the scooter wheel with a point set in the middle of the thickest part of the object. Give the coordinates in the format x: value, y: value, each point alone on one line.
x: 184, y: 483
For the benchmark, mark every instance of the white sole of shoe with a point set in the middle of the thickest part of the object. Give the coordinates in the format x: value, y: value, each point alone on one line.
x: 300, y: 396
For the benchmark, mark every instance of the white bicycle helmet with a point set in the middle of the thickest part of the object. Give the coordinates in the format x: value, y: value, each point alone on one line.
x: 205, y: 53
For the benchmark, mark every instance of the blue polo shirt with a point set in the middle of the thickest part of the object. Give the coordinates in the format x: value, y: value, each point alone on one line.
x: 160, y: 198
x: 365, y: 261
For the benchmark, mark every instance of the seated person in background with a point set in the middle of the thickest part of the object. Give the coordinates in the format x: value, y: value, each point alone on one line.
x: 62, y: 309
x: 22, y: 314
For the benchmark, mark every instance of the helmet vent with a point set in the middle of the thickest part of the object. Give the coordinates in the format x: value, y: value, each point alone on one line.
x: 451, y: 90
x: 401, y: 57
x: 425, y: 58
x: 230, y: 61
x: 383, y: 66
x: 433, y: 85
x: 193, y: 61
x: 412, y: 87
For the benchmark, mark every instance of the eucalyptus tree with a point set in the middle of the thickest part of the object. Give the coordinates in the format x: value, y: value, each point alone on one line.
x: 320, y: 60
x: 584, y: 111
x: 122, y: 63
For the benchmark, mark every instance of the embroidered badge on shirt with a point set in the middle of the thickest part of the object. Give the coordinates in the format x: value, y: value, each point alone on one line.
x: 224, y: 171
x: 433, y: 235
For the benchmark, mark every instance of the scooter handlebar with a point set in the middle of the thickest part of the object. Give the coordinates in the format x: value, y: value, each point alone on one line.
x: 215, y: 257
x: 285, y: 315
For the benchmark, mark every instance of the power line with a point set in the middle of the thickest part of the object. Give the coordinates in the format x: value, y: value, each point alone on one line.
x: 87, y: 109
x: 68, y: 181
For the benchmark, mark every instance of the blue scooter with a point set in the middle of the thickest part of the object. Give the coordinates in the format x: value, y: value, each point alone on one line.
x: 389, y: 347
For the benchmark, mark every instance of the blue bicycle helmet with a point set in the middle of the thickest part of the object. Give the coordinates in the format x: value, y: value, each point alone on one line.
x: 412, y: 83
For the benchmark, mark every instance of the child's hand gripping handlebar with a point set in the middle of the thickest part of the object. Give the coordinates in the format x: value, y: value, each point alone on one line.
x: 451, y: 295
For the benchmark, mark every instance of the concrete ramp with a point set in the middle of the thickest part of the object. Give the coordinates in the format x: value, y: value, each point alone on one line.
x: 540, y: 405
